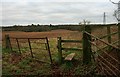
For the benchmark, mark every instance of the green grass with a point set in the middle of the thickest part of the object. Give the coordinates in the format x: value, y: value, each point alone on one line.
x: 24, y: 67
x: 28, y: 65
x: 31, y: 66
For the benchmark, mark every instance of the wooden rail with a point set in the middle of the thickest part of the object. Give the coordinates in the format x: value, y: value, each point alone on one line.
x: 73, y: 49
x: 110, y: 66
x: 106, y: 53
x: 71, y: 41
x: 60, y: 48
x: 109, y: 63
x: 102, y: 41
x: 108, y: 35
x: 30, y: 46
x: 107, y: 46
x: 107, y: 67
x: 26, y: 38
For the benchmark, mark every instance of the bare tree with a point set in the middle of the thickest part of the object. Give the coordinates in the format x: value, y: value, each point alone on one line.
x: 117, y: 12
x: 85, y: 22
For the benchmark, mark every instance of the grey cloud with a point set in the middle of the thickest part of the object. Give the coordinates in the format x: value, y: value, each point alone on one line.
x: 57, y: 1
x: 55, y: 12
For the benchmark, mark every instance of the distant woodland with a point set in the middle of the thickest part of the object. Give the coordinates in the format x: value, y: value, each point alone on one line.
x: 41, y: 28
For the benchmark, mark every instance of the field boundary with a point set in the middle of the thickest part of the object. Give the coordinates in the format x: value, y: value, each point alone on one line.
x: 106, y: 67
x: 60, y: 48
x: 9, y: 46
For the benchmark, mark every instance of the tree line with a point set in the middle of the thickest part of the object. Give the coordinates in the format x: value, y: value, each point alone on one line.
x: 41, y: 28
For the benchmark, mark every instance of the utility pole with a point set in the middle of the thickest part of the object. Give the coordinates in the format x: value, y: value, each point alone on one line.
x: 104, y: 18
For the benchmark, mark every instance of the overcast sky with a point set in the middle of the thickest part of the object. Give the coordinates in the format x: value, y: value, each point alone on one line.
x: 55, y: 11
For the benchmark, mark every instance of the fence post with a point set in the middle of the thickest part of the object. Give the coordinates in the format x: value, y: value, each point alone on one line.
x: 109, y: 36
x: 7, y: 42
x: 119, y: 44
x: 18, y: 45
x: 119, y: 35
x: 87, y: 45
x: 30, y: 48
x: 48, y: 48
x: 59, y: 50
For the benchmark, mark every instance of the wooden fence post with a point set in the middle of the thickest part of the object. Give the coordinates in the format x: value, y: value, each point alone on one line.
x: 59, y: 50
x: 86, y: 45
x: 30, y: 48
x: 7, y: 42
x: 48, y: 48
x: 118, y: 44
x: 18, y: 45
x: 109, y: 36
x: 119, y: 35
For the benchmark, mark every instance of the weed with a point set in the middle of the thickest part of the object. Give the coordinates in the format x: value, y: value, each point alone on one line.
x: 4, y: 50
x: 18, y: 71
x: 24, y: 62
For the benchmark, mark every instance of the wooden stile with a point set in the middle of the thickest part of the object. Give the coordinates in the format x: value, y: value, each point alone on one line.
x: 70, y: 57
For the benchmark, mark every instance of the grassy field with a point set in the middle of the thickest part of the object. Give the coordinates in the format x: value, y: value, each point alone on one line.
x: 23, y: 65
x: 15, y: 64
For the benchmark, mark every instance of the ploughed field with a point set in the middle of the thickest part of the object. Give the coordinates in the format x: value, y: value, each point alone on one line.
x: 50, y: 34
x: 14, y: 64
